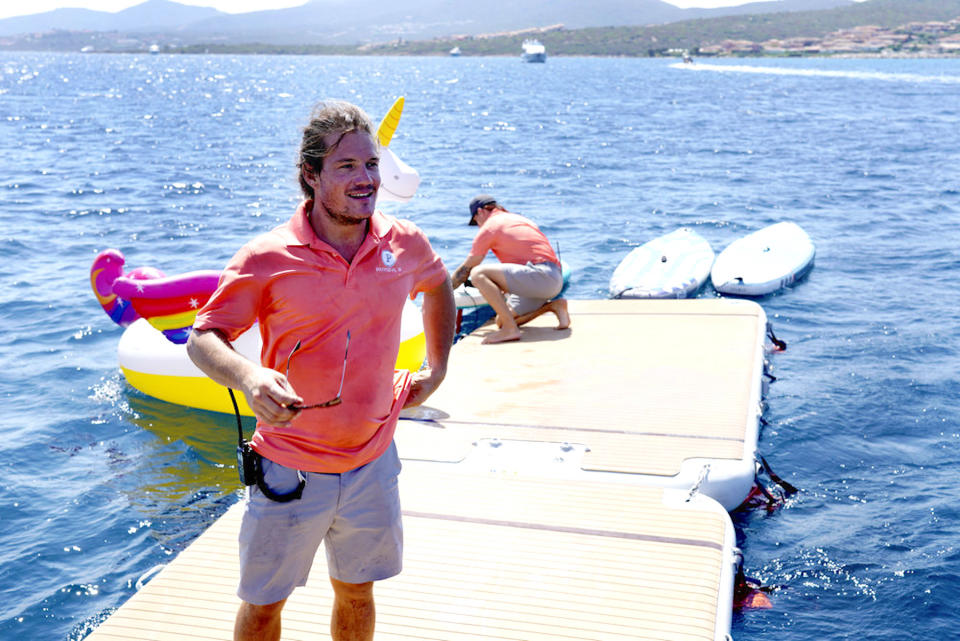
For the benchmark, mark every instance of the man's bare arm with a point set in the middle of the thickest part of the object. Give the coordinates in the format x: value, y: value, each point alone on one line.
x: 439, y: 322
x: 267, y: 391
x: 462, y: 273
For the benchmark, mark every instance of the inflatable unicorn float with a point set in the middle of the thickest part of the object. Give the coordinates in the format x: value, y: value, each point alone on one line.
x: 157, y: 311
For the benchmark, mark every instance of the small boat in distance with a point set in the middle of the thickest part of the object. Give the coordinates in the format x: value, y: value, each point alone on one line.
x: 455, y: 52
x: 533, y: 51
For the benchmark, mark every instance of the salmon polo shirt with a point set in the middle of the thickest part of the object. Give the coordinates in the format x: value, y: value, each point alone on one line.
x: 299, y: 288
x: 513, y: 239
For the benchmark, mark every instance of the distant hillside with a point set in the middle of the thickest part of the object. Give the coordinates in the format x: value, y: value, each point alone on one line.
x: 692, y: 34
x: 153, y: 16
x: 340, y: 21
x: 496, y: 28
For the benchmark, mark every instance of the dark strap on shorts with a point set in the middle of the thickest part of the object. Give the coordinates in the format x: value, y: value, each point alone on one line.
x: 250, y: 465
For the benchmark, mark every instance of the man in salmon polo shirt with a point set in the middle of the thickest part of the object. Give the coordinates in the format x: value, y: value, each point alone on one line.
x: 529, y: 271
x: 327, y: 289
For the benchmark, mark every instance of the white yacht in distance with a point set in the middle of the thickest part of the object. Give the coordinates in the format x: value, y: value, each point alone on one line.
x: 533, y: 51
x: 455, y: 51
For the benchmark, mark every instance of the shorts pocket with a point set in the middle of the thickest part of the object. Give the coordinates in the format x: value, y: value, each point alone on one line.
x: 280, y: 479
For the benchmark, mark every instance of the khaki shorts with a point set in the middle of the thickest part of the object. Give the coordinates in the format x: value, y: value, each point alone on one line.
x: 355, y: 514
x: 530, y: 285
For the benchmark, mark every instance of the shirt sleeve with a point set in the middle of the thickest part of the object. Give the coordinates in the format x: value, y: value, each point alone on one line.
x: 233, y: 307
x: 430, y: 270
x: 482, y: 242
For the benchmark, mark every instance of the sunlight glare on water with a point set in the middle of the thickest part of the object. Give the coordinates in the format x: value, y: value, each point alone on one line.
x: 178, y: 160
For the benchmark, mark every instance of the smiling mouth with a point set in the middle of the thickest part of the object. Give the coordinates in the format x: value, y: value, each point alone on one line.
x: 362, y: 194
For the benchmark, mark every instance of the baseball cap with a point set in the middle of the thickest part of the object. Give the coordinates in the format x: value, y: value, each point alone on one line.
x: 481, y: 200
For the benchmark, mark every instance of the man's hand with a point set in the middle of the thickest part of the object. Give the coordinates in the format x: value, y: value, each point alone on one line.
x: 270, y: 395
x: 422, y: 385
x: 459, y: 276
x: 462, y: 273
x: 268, y: 392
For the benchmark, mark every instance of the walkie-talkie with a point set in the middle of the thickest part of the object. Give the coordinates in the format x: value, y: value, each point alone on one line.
x: 246, y: 457
x: 246, y: 463
x: 250, y: 470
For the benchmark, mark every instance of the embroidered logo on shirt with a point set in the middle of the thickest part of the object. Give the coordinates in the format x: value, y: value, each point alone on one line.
x: 389, y: 259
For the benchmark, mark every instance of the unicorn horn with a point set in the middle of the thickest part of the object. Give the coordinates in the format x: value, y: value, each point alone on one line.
x: 389, y: 123
x: 399, y: 181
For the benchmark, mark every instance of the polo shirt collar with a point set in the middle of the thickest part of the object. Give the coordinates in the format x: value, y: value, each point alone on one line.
x: 299, y: 231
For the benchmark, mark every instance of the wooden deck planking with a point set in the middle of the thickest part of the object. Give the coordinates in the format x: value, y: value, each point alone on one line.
x: 670, y: 379
x: 660, y: 454
x: 547, y: 563
x: 509, y: 556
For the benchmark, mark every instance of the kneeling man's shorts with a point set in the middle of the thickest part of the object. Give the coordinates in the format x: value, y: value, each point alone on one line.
x: 355, y: 514
x: 530, y: 285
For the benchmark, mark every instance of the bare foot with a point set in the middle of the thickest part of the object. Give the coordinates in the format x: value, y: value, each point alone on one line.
x: 500, y: 320
x: 523, y: 319
x: 502, y: 336
x: 559, y: 307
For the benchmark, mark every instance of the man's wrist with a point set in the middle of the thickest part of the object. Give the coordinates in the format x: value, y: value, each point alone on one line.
x: 460, y: 276
x: 436, y: 373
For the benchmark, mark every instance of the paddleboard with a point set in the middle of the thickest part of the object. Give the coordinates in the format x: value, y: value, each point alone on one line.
x: 467, y: 297
x: 764, y: 261
x: 675, y: 265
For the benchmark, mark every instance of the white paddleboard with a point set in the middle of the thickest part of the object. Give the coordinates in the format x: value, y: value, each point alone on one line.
x: 674, y: 265
x: 470, y: 297
x: 764, y: 261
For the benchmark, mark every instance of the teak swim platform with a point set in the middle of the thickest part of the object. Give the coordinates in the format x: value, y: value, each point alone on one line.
x: 557, y: 487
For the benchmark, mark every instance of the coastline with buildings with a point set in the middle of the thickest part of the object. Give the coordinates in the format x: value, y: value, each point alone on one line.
x: 933, y: 38
x: 924, y: 39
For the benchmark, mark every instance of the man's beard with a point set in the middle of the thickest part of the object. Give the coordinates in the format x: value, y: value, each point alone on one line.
x: 339, y: 216
x: 342, y: 219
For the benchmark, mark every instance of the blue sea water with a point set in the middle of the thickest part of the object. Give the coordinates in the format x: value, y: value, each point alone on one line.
x: 177, y: 160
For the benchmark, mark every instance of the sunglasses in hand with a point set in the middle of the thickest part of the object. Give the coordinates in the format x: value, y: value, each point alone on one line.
x: 343, y: 372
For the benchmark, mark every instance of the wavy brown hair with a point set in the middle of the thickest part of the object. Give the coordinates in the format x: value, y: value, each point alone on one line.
x: 328, y: 117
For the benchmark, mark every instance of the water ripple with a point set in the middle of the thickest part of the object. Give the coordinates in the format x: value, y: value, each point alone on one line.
x: 177, y: 161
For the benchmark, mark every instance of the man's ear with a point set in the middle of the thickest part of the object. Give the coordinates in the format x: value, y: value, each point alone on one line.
x: 310, y: 175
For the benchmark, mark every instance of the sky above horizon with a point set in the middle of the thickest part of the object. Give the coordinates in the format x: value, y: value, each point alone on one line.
x: 11, y: 9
